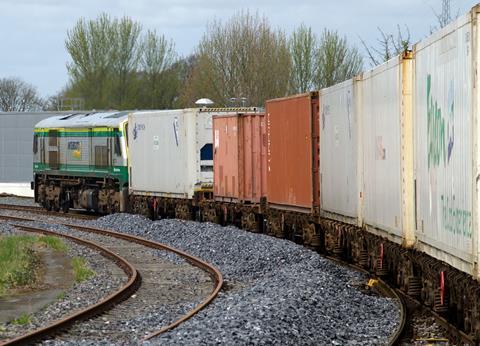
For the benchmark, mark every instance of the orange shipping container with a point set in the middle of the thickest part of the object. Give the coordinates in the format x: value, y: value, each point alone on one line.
x: 293, y: 152
x: 239, y: 157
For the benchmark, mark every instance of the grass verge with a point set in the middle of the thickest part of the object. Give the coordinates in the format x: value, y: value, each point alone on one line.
x: 81, y: 271
x: 19, y: 261
x: 23, y: 319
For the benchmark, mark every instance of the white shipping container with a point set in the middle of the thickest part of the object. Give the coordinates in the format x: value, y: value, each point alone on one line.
x: 445, y: 142
x: 386, y: 134
x: 170, y: 152
x: 338, y: 152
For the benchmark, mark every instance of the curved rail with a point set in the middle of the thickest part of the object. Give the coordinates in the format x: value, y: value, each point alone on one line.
x: 456, y: 336
x: 210, y: 269
x: 40, y: 210
x: 385, y: 290
x: 124, y: 291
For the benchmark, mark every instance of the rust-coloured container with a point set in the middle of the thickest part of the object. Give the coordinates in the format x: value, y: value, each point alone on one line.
x: 293, y: 152
x: 240, y: 157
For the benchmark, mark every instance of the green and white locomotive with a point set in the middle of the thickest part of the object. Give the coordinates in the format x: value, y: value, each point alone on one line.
x: 80, y: 161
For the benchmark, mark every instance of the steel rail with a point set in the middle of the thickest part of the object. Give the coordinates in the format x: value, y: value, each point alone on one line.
x: 456, y: 335
x: 40, y: 210
x: 385, y: 290
x: 210, y: 269
x: 101, y: 306
x: 214, y: 273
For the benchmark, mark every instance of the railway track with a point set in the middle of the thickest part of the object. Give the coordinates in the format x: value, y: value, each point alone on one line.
x: 139, y: 252
x: 124, y: 291
x: 382, y: 288
x: 405, y: 303
x: 409, y: 307
x: 420, y: 314
x: 76, y: 214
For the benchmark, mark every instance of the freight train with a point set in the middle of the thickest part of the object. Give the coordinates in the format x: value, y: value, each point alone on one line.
x: 382, y: 169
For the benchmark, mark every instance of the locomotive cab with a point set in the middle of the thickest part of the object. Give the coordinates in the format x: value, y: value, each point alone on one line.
x: 80, y: 161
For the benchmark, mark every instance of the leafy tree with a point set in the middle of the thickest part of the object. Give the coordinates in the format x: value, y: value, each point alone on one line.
x: 115, y: 66
x: 18, y: 96
x: 160, y: 72
x: 243, y: 57
x: 337, y: 61
x: 126, y: 56
x: 91, y: 47
x: 303, y: 45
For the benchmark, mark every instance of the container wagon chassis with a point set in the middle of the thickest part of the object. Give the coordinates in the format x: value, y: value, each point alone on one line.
x: 449, y: 292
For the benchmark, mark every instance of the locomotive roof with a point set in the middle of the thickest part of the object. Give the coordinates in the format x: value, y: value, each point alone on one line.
x: 92, y: 119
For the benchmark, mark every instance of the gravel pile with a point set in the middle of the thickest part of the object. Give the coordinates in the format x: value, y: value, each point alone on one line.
x: 78, y: 296
x: 275, y: 292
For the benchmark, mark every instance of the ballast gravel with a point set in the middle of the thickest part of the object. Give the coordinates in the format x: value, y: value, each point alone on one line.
x: 275, y: 292
x: 23, y: 201
x: 78, y: 296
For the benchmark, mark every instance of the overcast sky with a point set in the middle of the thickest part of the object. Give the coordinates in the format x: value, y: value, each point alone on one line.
x: 32, y: 32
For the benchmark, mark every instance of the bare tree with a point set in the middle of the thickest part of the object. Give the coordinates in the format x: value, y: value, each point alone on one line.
x: 18, y: 96
x: 444, y: 17
x: 388, y: 46
x: 336, y: 60
x: 303, y: 45
x: 242, y: 58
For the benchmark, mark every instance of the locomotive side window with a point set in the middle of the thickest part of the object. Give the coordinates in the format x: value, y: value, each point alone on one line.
x: 35, y: 143
x: 126, y: 133
x: 53, y: 138
x: 118, y: 148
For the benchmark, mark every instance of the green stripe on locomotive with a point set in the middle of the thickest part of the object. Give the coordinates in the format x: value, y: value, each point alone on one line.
x: 77, y: 133
x: 78, y: 147
x: 117, y: 172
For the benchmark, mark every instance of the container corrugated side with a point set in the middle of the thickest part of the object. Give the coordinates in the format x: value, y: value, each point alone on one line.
x: 240, y: 157
x: 338, y: 152
x: 162, y: 152
x: 292, y: 168
x: 253, y: 150
x: 381, y: 110
x: 444, y: 119
x: 225, y: 157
